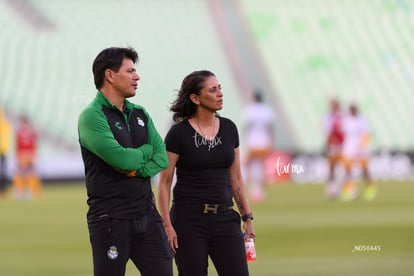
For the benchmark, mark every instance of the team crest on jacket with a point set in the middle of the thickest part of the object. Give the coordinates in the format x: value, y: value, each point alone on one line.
x: 140, y: 121
x: 112, y: 252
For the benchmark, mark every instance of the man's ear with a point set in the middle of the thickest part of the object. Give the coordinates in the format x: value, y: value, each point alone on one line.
x: 109, y: 76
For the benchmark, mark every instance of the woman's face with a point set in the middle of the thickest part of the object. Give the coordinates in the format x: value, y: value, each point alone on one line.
x: 210, y: 96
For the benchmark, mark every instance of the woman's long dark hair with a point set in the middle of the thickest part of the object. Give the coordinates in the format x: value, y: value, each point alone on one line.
x: 183, y: 107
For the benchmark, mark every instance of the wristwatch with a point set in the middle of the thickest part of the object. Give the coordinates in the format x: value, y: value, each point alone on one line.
x: 247, y: 216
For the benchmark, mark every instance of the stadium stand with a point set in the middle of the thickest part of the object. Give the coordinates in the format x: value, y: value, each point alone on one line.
x: 310, y: 51
x: 47, y: 72
x: 355, y: 50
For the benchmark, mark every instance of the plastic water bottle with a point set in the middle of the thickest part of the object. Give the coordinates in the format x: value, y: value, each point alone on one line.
x: 250, y: 250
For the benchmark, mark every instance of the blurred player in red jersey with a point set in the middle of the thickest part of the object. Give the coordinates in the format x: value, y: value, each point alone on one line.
x: 333, y: 125
x: 26, y: 183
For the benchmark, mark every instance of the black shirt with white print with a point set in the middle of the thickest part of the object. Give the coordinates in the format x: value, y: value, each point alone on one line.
x: 203, y: 167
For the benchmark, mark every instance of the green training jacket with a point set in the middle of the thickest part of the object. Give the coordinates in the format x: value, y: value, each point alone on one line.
x: 121, y: 151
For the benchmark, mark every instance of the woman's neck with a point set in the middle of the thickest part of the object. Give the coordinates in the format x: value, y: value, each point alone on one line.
x: 206, y: 124
x: 204, y: 118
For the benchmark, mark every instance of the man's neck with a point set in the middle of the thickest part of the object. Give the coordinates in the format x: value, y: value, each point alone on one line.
x: 115, y: 99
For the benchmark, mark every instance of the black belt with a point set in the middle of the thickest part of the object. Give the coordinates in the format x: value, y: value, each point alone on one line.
x: 207, y: 208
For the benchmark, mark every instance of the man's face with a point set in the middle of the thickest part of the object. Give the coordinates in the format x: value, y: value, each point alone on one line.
x: 125, y: 81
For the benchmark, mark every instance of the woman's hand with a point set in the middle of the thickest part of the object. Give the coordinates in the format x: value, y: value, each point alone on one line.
x: 248, y: 229
x: 172, y: 237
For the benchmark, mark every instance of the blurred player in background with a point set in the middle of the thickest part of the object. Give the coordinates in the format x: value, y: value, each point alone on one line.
x: 333, y: 125
x: 356, y: 152
x: 26, y: 183
x: 5, y: 144
x: 258, y: 120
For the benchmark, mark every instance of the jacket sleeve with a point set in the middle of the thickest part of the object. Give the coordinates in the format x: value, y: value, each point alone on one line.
x: 96, y: 136
x: 159, y: 160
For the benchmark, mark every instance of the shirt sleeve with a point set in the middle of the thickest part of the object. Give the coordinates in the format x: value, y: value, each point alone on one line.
x: 96, y: 136
x: 172, y: 141
x: 159, y: 159
x: 235, y: 133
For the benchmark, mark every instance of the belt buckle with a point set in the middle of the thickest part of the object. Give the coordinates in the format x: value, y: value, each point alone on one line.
x: 208, y: 208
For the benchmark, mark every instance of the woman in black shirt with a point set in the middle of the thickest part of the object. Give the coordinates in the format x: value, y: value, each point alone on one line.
x: 204, y: 150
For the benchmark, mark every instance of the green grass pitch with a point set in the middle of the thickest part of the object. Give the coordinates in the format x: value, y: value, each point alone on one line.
x: 299, y: 232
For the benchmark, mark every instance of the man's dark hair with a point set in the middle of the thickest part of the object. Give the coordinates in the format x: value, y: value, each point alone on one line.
x: 110, y: 58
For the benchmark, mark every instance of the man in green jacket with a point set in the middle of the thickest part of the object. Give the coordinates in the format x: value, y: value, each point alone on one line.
x: 121, y: 151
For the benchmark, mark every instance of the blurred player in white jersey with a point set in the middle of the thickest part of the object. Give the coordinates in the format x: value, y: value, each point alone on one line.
x: 258, y: 119
x: 356, y: 152
x: 333, y: 125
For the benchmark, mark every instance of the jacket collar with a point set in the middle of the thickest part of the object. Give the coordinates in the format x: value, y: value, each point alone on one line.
x: 100, y: 98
